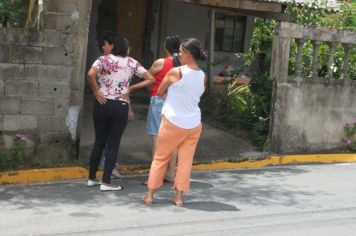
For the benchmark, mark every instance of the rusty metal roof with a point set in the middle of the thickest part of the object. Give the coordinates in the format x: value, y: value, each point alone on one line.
x: 330, y: 4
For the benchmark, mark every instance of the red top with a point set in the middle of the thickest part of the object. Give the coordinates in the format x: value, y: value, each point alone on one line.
x: 167, y: 65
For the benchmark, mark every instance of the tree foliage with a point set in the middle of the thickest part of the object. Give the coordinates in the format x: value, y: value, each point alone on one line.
x: 345, y: 19
x: 12, y: 12
x: 250, y: 107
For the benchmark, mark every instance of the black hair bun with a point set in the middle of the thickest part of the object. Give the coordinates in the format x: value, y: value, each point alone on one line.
x: 203, y: 55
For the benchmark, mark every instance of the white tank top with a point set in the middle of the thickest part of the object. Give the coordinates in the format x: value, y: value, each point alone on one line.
x: 181, y: 105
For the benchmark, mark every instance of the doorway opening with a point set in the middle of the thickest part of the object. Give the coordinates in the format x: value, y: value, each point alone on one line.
x: 131, y: 19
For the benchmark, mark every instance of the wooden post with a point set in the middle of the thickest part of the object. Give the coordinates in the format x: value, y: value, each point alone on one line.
x: 211, y: 50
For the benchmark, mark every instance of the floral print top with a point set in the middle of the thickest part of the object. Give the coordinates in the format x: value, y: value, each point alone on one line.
x: 115, y: 73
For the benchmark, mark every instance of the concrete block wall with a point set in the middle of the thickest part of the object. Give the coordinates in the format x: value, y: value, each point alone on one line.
x: 308, y: 112
x: 42, y: 78
x: 309, y: 115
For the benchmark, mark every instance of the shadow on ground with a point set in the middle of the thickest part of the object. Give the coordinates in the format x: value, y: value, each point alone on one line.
x: 135, y: 148
x: 210, y: 192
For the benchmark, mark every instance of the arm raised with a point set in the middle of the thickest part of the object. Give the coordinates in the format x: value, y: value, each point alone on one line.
x: 171, y: 77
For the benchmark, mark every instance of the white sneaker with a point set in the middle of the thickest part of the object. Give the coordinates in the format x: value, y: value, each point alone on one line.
x: 92, y: 183
x: 106, y: 187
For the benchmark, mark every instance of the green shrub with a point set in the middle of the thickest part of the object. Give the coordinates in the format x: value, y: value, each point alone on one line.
x: 13, y: 12
x: 13, y: 158
x: 350, y: 136
x: 316, y: 15
x: 249, y: 107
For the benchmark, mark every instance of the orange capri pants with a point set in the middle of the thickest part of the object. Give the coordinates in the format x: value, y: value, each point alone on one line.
x: 171, y: 137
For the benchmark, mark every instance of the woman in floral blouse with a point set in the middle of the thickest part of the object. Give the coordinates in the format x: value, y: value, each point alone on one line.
x: 110, y: 113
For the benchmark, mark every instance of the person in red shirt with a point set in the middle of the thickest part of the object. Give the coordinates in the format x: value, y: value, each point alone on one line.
x: 159, y: 69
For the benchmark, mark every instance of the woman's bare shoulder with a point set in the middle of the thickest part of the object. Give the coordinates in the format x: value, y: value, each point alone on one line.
x: 174, y: 71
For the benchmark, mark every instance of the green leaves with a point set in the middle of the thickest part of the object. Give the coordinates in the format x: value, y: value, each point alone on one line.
x: 323, y: 57
x: 316, y: 15
x: 261, y: 41
x: 12, y: 12
x: 344, y: 19
x: 350, y: 136
x: 305, y: 14
x: 14, y: 157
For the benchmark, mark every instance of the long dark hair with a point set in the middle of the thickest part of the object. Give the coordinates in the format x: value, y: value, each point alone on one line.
x: 193, y: 45
x: 121, y: 47
x: 121, y: 44
x: 110, y: 38
x: 172, y: 43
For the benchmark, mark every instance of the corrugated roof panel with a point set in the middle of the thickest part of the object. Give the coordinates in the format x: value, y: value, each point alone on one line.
x: 329, y: 4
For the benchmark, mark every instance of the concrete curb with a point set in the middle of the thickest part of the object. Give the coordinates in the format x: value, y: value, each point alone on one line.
x: 55, y: 174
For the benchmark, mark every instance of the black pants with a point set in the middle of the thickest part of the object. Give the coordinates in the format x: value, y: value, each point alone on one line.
x: 110, y: 121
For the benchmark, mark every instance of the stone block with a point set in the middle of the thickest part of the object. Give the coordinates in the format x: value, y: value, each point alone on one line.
x: 28, y: 89
x: 54, y: 90
x: 61, y: 107
x: 10, y: 71
x: 76, y: 98
x: 13, y: 36
x: 61, y: 91
x: 25, y: 54
x: 55, y: 148
x: 4, y: 53
x: 52, y: 123
x: 57, y: 56
x: 19, y: 122
x: 12, y: 88
x: 77, y: 81
x: 10, y: 105
x: 21, y: 88
x: 2, y: 88
x: 2, y: 35
x: 1, y: 122
x: 69, y: 41
x: 66, y: 6
x: 45, y: 89
x: 57, y: 21
x: 45, y: 38
x: 36, y: 106
x: 48, y: 73
x: 53, y: 137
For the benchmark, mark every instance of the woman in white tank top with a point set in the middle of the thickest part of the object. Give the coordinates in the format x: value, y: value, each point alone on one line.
x: 181, y: 121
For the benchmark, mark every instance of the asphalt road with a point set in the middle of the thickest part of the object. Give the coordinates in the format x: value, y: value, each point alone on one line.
x: 289, y: 200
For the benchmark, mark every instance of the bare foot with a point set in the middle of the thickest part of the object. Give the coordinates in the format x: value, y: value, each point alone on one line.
x: 147, y: 200
x: 177, y: 202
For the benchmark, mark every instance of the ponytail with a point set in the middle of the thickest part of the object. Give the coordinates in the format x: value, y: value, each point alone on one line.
x: 194, y: 47
x: 176, y: 61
